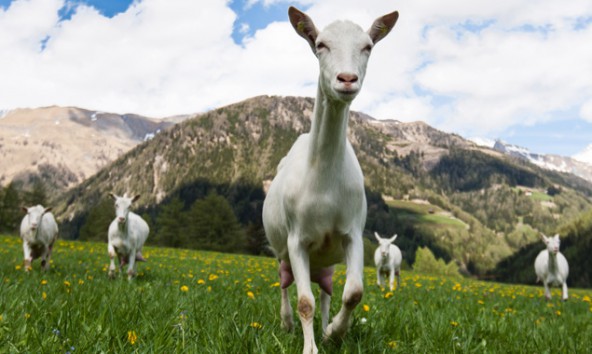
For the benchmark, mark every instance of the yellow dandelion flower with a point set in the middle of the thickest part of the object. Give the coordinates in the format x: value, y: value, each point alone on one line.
x: 18, y: 267
x: 275, y: 285
x: 587, y: 299
x: 184, y: 288
x: 27, y: 315
x: 251, y: 295
x: 132, y: 337
x: 418, y: 285
x: 201, y: 281
x: 209, y: 289
x: 256, y: 325
x: 366, y: 308
x: 80, y: 282
x: 388, y: 295
x: 392, y: 344
x: 212, y: 277
x: 454, y: 323
x: 481, y: 302
x: 67, y: 283
x: 43, y: 282
x: 558, y: 313
x: 43, y: 295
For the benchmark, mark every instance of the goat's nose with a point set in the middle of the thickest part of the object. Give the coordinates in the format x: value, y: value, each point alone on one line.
x: 347, y: 78
x: 121, y: 219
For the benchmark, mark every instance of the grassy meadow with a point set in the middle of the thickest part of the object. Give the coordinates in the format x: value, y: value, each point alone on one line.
x: 201, y: 302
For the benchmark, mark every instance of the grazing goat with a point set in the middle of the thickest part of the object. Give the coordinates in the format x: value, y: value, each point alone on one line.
x: 127, y: 234
x: 39, y: 231
x: 315, y: 209
x: 551, y: 266
x: 387, y: 258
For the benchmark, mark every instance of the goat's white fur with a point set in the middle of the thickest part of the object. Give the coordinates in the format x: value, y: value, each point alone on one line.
x: 387, y: 259
x: 39, y: 231
x: 315, y: 210
x: 127, y: 234
x: 551, y: 266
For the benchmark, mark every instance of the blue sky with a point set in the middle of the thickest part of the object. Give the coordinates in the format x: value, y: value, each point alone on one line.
x: 519, y: 71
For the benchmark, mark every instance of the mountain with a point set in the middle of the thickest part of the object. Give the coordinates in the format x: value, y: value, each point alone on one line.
x: 65, y: 145
x: 585, y: 156
x: 467, y: 203
x: 580, y: 166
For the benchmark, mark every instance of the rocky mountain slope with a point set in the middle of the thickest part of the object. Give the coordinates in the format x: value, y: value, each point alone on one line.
x: 65, y: 145
x: 476, y: 205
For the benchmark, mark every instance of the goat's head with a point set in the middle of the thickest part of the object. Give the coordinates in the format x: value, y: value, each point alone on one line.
x: 384, y: 244
x: 552, y: 243
x: 122, y: 206
x: 343, y: 49
x: 35, y: 214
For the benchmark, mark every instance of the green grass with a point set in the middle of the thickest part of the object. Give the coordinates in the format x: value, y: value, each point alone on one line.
x: 231, y: 305
x: 424, y: 214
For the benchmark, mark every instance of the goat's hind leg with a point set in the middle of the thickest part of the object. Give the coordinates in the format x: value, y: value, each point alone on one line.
x: 353, y: 290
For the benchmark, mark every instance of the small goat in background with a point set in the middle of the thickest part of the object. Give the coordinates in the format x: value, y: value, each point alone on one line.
x: 551, y: 266
x: 39, y: 231
x: 387, y: 258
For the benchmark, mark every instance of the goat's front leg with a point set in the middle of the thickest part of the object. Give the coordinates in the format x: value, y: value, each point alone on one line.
x: 28, y: 258
x: 564, y: 292
x: 353, y: 290
x: 378, y: 277
x: 286, y: 311
x: 300, y: 263
x: 547, y: 291
x: 131, y: 268
x: 112, y: 255
x: 325, y: 306
x: 392, y: 279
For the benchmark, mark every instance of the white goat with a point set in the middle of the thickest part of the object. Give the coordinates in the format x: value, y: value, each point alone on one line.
x: 315, y: 210
x: 127, y: 234
x: 39, y: 231
x: 551, y: 266
x: 387, y: 258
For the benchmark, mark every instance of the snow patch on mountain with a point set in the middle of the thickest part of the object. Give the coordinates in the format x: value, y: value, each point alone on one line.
x: 490, y: 143
x: 585, y: 156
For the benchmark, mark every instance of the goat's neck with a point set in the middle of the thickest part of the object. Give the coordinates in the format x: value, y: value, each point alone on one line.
x: 552, y: 261
x: 328, y: 132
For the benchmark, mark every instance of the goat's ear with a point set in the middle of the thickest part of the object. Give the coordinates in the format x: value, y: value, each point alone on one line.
x: 303, y: 26
x: 544, y: 238
x: 113, y: 196
x: 377, y: 236
x: 392, y: 239
x: 136, y: 197
x: 25, y: 209
x: 382, y: 26
x: 47, y: 209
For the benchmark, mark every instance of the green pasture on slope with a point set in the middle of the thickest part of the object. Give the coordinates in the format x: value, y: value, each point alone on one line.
x: 202, y: 302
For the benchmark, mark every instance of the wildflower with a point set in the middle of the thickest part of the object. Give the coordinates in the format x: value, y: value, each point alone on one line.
x: 454, y: 323
x: 558, y: 313
x: 251, y: 295
x: 481, y: 302
x: 392, y: 344
x: 56, y: 331
x: 363, y: 320
x: 212, y: 277
x: 275, y: 285
x: 366, y: 308
x: 457, y: 287
x: 43, y: 295
x: 67, y: 283
x: 43, y: 282
x: 184, y: 288
x: 27, y: 315
x: 201, y: 281
x: 256, y: 325
x: 80, y: 281
x: 388, y: 295
x: 587, y: 299
x: 132, y: 337
x: 18, y: 267
x: 418, y: 285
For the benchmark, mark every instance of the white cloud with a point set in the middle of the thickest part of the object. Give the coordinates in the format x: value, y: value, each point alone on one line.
x: 526, y: 61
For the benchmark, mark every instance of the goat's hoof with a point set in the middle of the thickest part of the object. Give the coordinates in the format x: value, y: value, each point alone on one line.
x: 288, y: 326
x: 111, y: 275
x: 333, y: 334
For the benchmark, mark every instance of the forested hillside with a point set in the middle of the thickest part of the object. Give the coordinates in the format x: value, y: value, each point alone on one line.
x: 203, y: 184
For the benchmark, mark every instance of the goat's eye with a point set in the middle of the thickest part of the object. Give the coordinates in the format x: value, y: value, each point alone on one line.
x: 367, y: 48
x: 321, y: 45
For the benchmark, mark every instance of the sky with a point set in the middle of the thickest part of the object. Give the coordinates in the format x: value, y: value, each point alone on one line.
x: 516, y: 70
